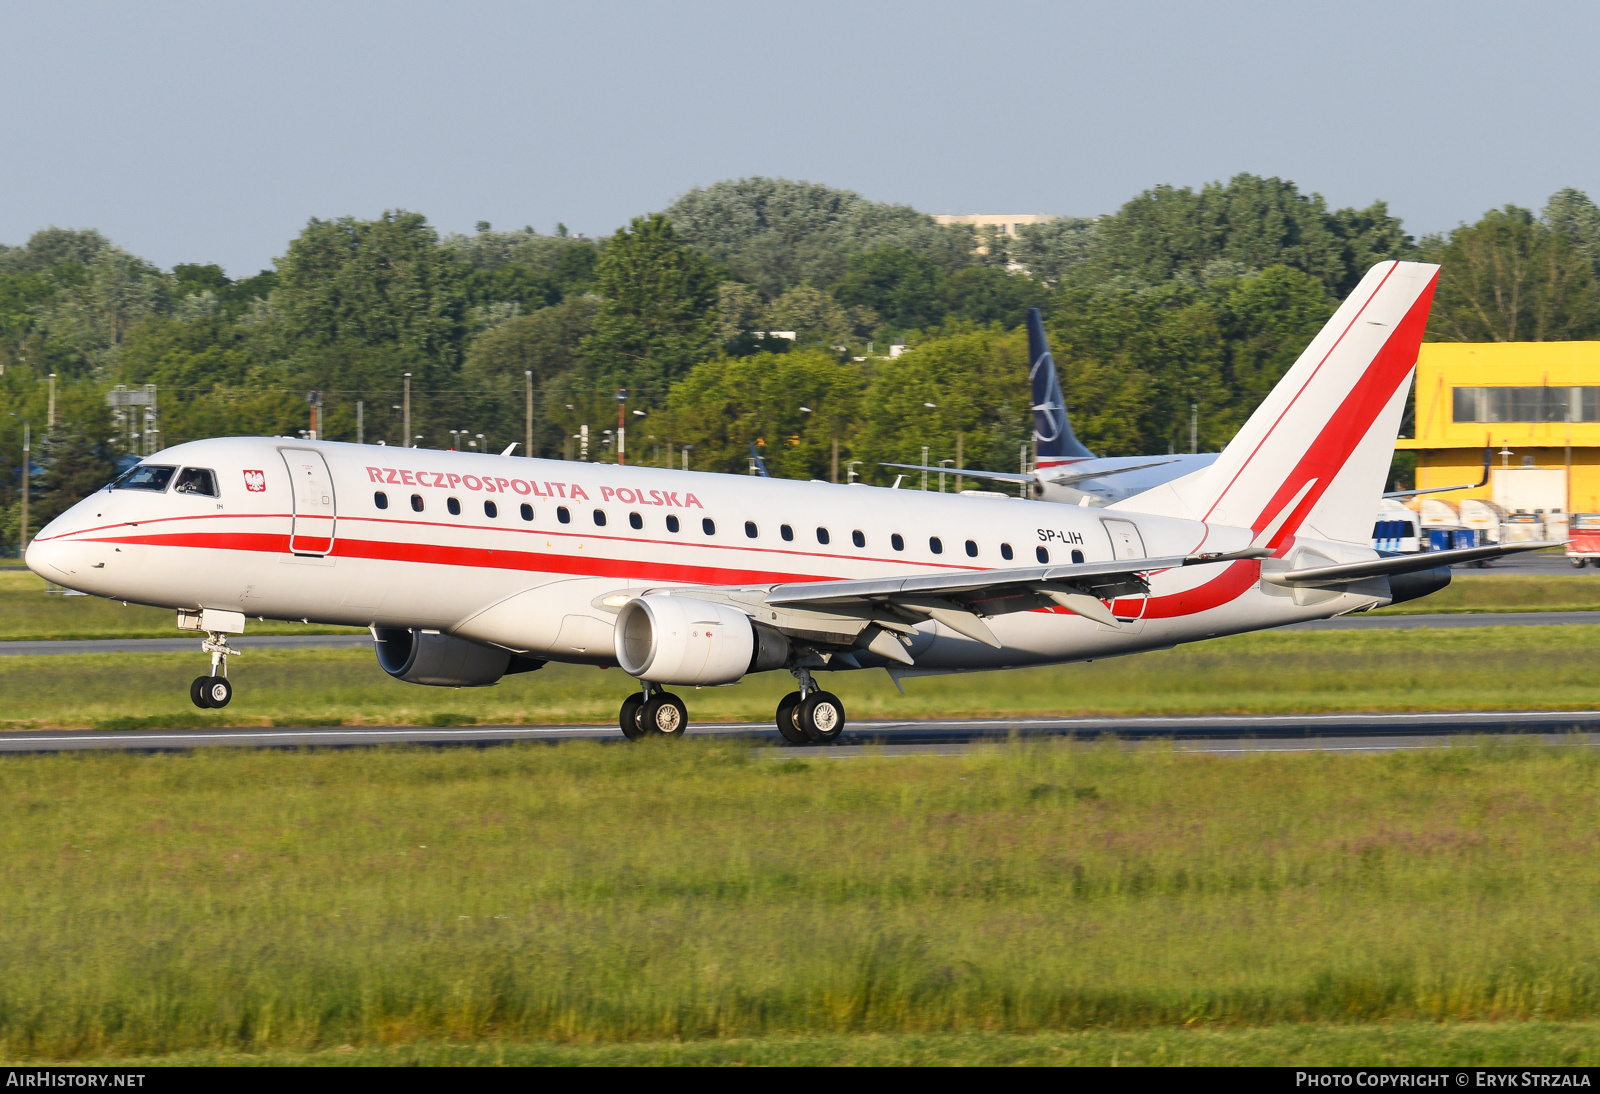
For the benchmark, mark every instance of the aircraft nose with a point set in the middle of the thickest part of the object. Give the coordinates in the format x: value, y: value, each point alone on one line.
x: 43, y: 558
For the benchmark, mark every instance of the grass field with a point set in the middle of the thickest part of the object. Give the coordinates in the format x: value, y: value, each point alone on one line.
x: 1490, y: 668
x: 703, y: 901
x: 28, y: 611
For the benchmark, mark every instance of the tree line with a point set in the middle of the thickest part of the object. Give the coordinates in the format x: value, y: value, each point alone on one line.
x: 830, y: 331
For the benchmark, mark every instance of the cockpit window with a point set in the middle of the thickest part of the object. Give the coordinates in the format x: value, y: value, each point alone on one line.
x: 196, y: 480
x: 145, y: 476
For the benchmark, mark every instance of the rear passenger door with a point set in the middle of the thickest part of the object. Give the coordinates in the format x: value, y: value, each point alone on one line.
x: 312, y: 528
x: 1125, y: 539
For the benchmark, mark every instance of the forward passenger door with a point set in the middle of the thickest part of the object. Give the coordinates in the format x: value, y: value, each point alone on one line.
x: 312, y: 529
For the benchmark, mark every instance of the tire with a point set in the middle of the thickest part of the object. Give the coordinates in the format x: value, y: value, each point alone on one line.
x: 628, y: 719
x: 664, y: 715
x: 822, y: 717
x: 218, y: 692
x: 197, y: 692
x: 786, y: 720
x: 1577, y: 563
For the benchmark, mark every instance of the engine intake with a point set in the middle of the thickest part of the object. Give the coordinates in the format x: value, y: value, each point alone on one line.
x: 441, y: 660
x: 680, y: 640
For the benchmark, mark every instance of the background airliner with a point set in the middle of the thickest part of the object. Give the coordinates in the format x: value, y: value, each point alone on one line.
x: 468, y: 567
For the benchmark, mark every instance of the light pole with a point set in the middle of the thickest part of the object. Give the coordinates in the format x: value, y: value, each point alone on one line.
x: 941, y: 473
x: 407, y: 415
x: 482, y: 444
x: 850, y: 470
x: 527, y: 440
x: 455, y: 439
x: 622, y: 432
x: 686, y: 456
x: 50, y: 418
x: 924, y: 463
x: 361, y: 424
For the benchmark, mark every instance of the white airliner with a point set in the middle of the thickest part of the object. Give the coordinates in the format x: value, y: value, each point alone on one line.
x: 468, y: 567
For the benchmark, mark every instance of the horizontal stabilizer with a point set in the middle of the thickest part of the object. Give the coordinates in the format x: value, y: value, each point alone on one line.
x: 1321, y: 576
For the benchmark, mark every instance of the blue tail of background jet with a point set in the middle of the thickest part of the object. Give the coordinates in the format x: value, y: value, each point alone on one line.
x: 1052, y: 429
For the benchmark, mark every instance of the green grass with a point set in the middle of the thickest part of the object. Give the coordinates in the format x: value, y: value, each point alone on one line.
x: 1486, y: 591
x: 1504, y: 1044
x: 29, y: 611
x: 1490, y: 668
x: 692, y: 902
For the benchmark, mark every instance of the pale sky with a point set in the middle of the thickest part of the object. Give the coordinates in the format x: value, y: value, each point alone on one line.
x: 211, y: 132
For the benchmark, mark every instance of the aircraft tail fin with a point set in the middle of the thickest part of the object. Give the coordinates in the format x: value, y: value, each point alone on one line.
x: 1052, y: 429
x: 1315, y: 455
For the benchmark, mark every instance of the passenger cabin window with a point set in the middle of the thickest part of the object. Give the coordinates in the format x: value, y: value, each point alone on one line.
x: 897, y: 541
x: 599, y: 518
x: 1077, y: 557
x: 1041, y: 554
x: 859, y: 538
x: 454, y: 505
x: 1005, y: 551
x: 672, y: 522
x: 786, y: 532
x: 416, y: 503
x: 635, y: 521
x: 563, y: 514
x: 972, y: 549
x: 527, y: 511
x: 750, y: 529
x: 380, y: 499
x: 196, y: 480
x: 936, y: 545
x: 145, y: 476
x: 822, y: 535
x: 708, y: 526
x: 491, y: 510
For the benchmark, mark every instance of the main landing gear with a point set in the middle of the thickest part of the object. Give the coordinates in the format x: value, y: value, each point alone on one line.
x: 213, y: 692
x: 653, y: 713
x: 810, y: 716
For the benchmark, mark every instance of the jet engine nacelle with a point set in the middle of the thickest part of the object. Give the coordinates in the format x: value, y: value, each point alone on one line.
x: 441, y: 660
x: 680, y: 640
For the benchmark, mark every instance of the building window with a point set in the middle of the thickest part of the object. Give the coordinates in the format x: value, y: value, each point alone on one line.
x: 750, y: 529
x: 527, y: 511
x: 672, y: 522
x: 897, y: 541
x: 599, y: 518
x: 708, y: 526
x: 379, y: 498
x: 635, y: 521
x: 1005, y: 551
x: 491, y: 510
x: 1042, y: 555
x: 783, y: 530
x: 936, y: 545
x: 564, y: 515
x: 1525, y: 404
x: 416, y: 503
x: 822, y: 536
x: 972, y: 548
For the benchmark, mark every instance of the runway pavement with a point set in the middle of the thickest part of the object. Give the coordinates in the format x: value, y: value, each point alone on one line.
x: 191, y: 643
x: 1222, y: 733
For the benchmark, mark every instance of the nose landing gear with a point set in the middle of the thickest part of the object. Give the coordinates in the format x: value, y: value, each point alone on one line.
x: 213, y: 692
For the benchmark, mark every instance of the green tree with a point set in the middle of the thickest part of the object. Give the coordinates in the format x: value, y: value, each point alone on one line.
x: 985, y: 294
x: 658, y: 315
x: 1267, y: 321
x: 775, y: 234
x: 1509, y: 278
x: 1572, y: 214
x: 1049, y: 251
x: 75, y: 465
x: 900, y: 285
x: 544, y: 343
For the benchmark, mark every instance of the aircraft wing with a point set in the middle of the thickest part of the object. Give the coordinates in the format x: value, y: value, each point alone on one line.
x: 999, y: 476
x: 1066, y: 478
x: 961, y: 600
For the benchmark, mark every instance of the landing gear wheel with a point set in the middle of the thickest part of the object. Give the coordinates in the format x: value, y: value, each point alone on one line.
x: 787, y: 725
x: 628, y: 720
x: 821, y: 716
x: 197, y: 691
x: 665, y: 714
x: 217, y: 692
x: 1577, y: 563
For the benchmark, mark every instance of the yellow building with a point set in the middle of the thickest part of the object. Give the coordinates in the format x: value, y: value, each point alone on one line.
x: 1536, y: 404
